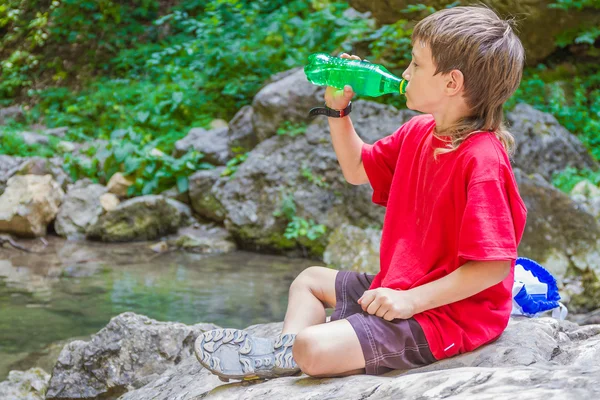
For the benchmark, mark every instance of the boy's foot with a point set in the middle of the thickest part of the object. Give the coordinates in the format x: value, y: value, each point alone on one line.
x: 235, y: 354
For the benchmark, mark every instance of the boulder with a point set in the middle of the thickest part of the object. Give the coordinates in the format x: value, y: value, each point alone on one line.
x: 141, y: 218
x: 203, y: 239
x: 538, y: 25
x: 11, y: 166
x: 29, y: 204
x: 283, y: 171
x: 543, y: 145
x: 25, y: 385
x: 213, y: 144
x: 241, y: 132
x: 81, y: 208
x: 288, y: 99
x: 558, y: 233
x: 130, y: 352
x: 118, y: 185
x: 137, y: 358
x: 202, y: 196
x: 355, y: 249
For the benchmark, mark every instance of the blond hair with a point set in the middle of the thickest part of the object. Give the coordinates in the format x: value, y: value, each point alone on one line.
x: 485, y: 49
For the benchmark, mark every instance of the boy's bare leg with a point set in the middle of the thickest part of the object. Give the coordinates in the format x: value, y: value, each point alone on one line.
x: 329, y: 350
x: 312, y: 291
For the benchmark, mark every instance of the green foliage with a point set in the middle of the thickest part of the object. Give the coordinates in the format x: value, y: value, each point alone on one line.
x: 12, y: 143
x: 288, y: 128
x: 566, y: 179
x: 582, y: 35
x: 297, y: 227
x: 233, y: 164
x: 317, y: 180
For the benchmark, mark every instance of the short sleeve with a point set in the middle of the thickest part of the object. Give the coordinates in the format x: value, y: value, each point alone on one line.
x: 488, y: 230
x: 379, y: 160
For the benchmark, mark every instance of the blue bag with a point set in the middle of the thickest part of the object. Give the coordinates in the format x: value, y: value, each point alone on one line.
x: 535, y: 291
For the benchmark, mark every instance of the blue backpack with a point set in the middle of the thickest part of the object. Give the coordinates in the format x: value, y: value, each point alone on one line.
x: 535, y: 291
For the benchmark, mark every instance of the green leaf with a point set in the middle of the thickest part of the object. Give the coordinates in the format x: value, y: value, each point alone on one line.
x: 182, y: 184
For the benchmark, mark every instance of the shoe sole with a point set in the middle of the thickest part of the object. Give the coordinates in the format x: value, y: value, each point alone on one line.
x: 246, y: 357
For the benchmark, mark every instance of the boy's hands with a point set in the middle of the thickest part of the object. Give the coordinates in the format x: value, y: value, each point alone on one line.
x: 388, y: 303
x: 339, y: 99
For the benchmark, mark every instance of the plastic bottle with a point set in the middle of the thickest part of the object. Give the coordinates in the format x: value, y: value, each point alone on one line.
x: 364, y: 77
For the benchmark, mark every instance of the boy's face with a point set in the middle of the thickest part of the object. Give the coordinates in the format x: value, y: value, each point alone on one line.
x: 425, y: 91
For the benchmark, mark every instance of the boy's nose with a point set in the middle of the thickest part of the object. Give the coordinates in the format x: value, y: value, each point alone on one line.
x: 406, y: 75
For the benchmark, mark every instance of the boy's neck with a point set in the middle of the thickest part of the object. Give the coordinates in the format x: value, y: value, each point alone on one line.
x: 448, y: 116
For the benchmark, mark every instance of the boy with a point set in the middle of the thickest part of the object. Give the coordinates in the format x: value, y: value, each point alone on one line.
x: 453, y: 222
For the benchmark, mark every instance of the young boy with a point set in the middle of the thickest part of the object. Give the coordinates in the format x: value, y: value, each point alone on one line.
x: 453, y: 222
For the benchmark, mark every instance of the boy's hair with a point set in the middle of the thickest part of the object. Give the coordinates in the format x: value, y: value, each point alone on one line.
x: 491, y: 57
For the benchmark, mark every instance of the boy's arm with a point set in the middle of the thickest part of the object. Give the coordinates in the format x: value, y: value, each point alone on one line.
x: 348, y: 147
x: 469, y: 279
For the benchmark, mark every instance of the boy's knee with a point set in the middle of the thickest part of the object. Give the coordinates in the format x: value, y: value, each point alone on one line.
x: 304, y: 279
x: 307, y: 352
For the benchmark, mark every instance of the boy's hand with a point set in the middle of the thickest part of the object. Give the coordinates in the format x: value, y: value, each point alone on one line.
x: 339, y: 99
x: 387, y: 303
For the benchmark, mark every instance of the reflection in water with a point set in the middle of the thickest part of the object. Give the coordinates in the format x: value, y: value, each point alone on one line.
x: 73, y: 289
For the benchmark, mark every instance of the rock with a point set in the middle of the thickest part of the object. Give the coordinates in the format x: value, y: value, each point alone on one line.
x: 538, y: 24
x: 118, y: 185
x: 218, y: 123
x: 109, y: 201
x: 206, y: 239
x: 588, y: 196
x: 58, y: 132
x: 141, y: 218
x: 81, y: 208
x: 160, y: 247
x: 241, y: 132
x: 213, y: 144
x: 547, y: 356
x: 203, y: 198
x: 303, y: 169
x: 543, y: 145
x: 29, y: 204
x: 292, y: 94
x: 558, y: 232
x: 25, y: 385
x: 11, y: 166
x: 174, y: 194
x: 587, y: 189
x: 14, y: 112
x: 355, y: 249
x: 32, y: 138
x: 66, y: 147
x: 131, y: 351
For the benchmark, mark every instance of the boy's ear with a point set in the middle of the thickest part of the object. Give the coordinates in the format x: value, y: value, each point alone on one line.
x: 455, y: 82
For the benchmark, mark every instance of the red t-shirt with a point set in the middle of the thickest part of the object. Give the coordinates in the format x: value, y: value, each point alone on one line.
x: 440, y: 214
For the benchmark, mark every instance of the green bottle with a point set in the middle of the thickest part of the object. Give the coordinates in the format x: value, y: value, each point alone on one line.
x: 365, y: 78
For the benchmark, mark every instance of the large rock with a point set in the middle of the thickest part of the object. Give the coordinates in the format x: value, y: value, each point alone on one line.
x: 203, y: 197
x: 303, y: 170
x: 11, y: 166
x: 534, y: 358
x: 214, y: 144
x: 287, y: 99
x: 558, y: 233
x: 141, y: 218
x: 25, y: 385
x: 353, y: 248
x: 131, y: 351
x: 543, y: 145
x: 29, y: 204
x: 204, y: 239
x: 80, y: 209
x: 241, y: 132
x: 538, y: 25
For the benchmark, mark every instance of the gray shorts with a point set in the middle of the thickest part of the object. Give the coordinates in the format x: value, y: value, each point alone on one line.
x: 386, y: 345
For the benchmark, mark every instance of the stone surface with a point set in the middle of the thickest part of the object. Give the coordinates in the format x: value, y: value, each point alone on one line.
x: 241, y: 132
x: 109, y: 201
x: 213, y: 144
x: 141, y: 218
x: 11, y: 166
x: 353, y: 248
x: 14, y: 112
x: 202, y: 196
x: 203, y: 239
x: 25, y: 385
x: 29, y: 204
x: 533, y: 359
x: 303, y: 169
x: 537, y: 24
x: 293, y: 94
x: 80, y: 209
x: 130, y: 352
x: 543, y: 145
x: 118, y: 185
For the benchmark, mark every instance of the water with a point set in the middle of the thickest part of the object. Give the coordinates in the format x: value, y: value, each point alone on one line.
x: 73, y: 289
